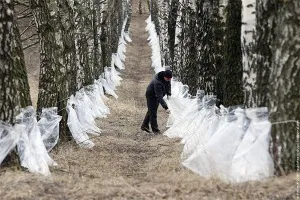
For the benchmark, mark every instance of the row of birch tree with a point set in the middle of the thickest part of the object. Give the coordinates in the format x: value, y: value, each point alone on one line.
x: 244, y: 51
x: 76, y: 39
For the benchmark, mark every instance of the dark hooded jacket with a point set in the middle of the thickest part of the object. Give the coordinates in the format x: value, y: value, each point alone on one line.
x: 158, y: 88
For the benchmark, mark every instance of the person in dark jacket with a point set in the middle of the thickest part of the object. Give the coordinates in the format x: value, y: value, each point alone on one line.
x: 156, y: 90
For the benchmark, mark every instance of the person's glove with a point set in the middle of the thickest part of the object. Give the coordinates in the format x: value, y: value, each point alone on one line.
x: 168, y: 97
x: 168, y: 111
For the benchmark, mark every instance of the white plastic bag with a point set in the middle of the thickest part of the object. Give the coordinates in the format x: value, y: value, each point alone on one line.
x: 49, y: 127
x: 252, y: 160
x: 215, y: 157
x: 203, y: 130
x: 97, y: 102
x: 75, y: 126
x: 183, y: 123
x: 100, y: 89
x: 117, y: 61
x: 126, y: 37
x: 107, y: 87
x: 32, y: 151
x: 9, y: 137
x: 85, y: 113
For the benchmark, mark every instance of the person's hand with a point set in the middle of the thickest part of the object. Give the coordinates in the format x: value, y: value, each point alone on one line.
x: 168, y: 111
x: 168, y: 97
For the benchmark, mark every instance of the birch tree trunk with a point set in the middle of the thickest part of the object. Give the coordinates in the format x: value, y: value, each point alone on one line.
x: 49, y: 68
x: 104, y: 36
x: 179, y: 40
x: 20, y: 74
x: 53, y: 86
x: 84, y: 41
x: 279, y: 21
x: 114, y: 26
x: 163, y: 12
x: 66, y: 27
x: 8, y: 92
x: 128, y: 14
x: 209, y: 40
x: 271, y: 71
x: 233, y: 72
x: 249, y: 44
x: 172, y: 20
x: 14, y: 87
x: 96, y: 20
x: 220, y: 48
x: 65, y: 39
x: 189, y: 69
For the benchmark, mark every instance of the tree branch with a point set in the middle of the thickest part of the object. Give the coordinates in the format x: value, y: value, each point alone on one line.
x: 27, y: 15
x: 31, y: 45
x: 29, y: 37
x: 21, y: 3
x: 29, y: 25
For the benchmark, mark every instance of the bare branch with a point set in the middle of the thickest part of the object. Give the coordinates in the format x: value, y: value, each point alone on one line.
x: 27, y: 15
x: 29, y: 25
x: 33, y: 44
x: 23, y: 11
x: 21, y: 3
x: 30, y: 37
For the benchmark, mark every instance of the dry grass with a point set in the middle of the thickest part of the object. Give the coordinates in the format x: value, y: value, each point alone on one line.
x: 127, y: 163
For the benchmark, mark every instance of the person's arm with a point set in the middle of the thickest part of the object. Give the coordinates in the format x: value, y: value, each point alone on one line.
x: 158, y: 90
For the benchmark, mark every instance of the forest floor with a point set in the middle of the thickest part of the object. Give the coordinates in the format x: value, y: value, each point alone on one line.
x: 127, y: 163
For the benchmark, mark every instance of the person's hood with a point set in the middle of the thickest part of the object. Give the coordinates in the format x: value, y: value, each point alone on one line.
x: 160, y: 76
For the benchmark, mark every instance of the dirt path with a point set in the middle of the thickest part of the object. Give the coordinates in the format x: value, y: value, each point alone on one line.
x: 127, y: 163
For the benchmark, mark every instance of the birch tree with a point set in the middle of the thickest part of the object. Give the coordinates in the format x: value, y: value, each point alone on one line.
x: 271, y: 71
x: 14, y: 87
x: 278, y: 26
x: 7, y: 86
x: 49, y: 68
x: 233, y: 72
x: 172, y: 23
x: 128, y: 13
x: 53, y: 86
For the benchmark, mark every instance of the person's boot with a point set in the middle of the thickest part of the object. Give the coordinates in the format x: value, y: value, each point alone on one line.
x: 156, y: 132
x: 144, y: 128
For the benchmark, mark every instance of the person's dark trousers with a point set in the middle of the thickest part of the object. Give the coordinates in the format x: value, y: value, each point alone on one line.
x: 151, y: 115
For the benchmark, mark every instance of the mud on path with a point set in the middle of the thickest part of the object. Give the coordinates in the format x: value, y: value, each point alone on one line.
x: 127, y: 163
